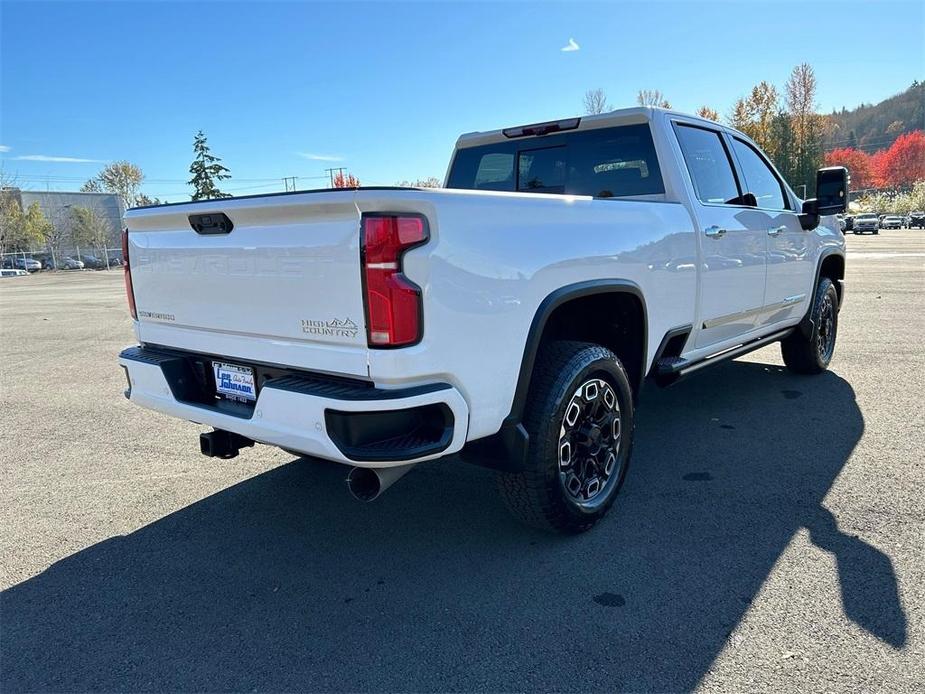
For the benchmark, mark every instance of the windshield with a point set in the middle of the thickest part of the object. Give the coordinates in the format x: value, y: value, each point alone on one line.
x: 604, y: 163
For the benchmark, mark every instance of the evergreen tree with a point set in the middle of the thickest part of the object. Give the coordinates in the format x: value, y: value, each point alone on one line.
x: 785, y: 155
x: 206, y: 169
x: 852, y: 140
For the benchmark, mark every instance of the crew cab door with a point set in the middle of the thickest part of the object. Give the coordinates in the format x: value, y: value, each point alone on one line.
x: 733, y: 239
x: 791, y: 272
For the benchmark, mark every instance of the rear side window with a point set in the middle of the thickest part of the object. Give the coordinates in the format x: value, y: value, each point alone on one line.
x: 608, y: 162
x: 708, y: 164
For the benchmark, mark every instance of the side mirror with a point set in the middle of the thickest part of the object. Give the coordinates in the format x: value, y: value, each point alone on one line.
x: 746, y: 199
x: 831, y: 190
x: 831, y: 196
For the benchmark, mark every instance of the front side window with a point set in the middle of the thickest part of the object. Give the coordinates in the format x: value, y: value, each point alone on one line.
x: 760, y: 180
x: 708, y: 163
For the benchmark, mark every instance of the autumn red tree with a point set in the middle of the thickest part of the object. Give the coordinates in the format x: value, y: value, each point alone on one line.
x: 348, y: 181
x: 857, y: 163
x: 904, y: 162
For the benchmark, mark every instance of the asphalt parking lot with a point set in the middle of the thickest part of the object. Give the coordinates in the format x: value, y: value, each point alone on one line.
x: 769, y: 536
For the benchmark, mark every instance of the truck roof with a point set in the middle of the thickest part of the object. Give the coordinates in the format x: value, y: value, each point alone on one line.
x: 622, y: 116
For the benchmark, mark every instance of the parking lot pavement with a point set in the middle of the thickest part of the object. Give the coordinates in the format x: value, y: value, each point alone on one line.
x: 769, y: 536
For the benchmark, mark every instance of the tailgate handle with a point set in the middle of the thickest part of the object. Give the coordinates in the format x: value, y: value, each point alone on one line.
x: 212, y: 223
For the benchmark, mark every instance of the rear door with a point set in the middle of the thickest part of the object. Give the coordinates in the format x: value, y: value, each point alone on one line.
x: 790, y: 253
x: 279, y: 285
x: 733, y: 240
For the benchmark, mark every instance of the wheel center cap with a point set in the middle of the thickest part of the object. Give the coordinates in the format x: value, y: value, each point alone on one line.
x: 594, y: 437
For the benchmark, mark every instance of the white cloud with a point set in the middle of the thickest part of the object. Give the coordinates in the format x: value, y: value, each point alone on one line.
x: 320, y: 157
x: 5, y: 148
x: 59, y: 160
x: 571, y: 46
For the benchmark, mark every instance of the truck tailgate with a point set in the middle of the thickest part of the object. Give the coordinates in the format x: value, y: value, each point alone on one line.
x: 281, y: 287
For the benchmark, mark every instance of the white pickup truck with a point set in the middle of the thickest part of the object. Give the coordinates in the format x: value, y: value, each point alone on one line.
x: 510, y: 317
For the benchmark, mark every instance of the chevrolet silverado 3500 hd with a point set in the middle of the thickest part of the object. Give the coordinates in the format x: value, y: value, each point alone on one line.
x: 510, y: 317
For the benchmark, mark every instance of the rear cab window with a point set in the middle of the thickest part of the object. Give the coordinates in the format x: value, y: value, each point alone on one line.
x: 610, y: 162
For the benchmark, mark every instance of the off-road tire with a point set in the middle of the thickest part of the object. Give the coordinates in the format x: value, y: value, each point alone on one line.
x: 812, y: 355
x: 536, y: 495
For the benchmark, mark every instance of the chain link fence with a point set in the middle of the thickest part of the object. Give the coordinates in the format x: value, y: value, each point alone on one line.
x: 63, y: 259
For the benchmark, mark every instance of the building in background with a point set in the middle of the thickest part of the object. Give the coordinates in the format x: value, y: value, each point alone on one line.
x: 57, y: 206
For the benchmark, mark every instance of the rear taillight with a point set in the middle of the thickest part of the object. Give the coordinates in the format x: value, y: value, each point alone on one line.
x: 129, y: 292
x: 393, y: 303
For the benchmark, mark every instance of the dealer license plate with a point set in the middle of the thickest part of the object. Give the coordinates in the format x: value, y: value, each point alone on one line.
x: 234, y: 382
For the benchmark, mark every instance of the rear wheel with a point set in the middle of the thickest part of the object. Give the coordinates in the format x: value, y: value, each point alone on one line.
x: 812, y: 354
x: 580, y: 421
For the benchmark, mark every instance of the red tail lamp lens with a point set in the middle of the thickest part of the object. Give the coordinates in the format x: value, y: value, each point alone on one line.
x: 393, y: 302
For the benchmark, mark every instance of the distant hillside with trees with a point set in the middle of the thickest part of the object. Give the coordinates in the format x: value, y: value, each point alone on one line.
x: 882, y: 145
x: 871, y: 127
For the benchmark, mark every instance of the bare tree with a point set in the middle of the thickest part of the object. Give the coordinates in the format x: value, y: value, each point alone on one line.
x: 121, y: 178
x: 595, y: 101
x: 652, y: 97
x: 805, y: 123
x: 89, y: 229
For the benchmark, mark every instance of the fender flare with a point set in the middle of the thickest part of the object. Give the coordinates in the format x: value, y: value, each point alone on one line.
x: 806, y: 324
x: 507, y: 449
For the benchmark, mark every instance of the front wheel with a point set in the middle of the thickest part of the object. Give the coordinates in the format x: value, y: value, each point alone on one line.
x: 812, y: 354
x: 580, y: 420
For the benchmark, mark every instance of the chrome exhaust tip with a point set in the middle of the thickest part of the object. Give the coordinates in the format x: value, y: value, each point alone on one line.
x: 368, y: 484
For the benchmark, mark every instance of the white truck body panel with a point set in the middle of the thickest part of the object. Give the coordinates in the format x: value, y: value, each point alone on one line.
x: 278, y: 289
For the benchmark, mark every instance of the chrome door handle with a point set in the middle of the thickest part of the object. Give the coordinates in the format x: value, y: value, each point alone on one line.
x: 774, y: 231
x: 714, y: 232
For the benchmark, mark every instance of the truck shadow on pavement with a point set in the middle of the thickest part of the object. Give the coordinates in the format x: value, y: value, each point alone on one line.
x: 284, y: 583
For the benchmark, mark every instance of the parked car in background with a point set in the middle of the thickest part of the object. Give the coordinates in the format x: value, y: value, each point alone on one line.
x: 48, y: 263
x: 115, y: 259
x: 891, y: 221
x: 92, y: 262
x: 70, y: 263
x: 917, y: 220
x: 849, y: 222
x: 866, y: 223
x: 9, y: 272
x: 30, y: 264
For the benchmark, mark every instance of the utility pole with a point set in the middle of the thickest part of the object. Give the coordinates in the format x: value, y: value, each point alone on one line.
x: 340, y: 170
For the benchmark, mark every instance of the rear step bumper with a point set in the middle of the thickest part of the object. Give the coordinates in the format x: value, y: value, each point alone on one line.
x: 347, y: 421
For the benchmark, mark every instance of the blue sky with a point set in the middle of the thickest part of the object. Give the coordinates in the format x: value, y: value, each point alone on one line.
x: 383, y: 89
